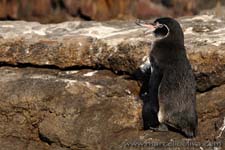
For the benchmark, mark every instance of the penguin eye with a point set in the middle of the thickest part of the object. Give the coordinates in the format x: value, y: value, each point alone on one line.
x: 160, y: 26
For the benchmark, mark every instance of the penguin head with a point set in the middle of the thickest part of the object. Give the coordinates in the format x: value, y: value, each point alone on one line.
x: 165, y: 29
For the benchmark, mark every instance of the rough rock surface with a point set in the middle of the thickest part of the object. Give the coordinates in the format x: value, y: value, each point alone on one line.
x: 67, y: 86
x: 70, y: 109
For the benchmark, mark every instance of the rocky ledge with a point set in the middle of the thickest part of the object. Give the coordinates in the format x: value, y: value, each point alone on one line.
x: 69, y: 86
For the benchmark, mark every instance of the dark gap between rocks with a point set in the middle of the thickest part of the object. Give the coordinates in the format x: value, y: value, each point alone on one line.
x: 209, y: 88
x: 137, y: 75
x: 98, y: 67
x: 45, y: 139
x: 83, y: 16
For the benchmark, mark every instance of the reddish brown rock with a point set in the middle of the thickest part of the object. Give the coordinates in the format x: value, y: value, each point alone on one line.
x: 9, y: 9
x: 46, y: 11
x: 145, y: 9
x: 41, y: 7
x: 72, y: 6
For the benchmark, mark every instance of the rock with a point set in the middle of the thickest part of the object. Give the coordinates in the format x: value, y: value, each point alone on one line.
x: 9, y: 9
x: 117, y: 46
x: 72, y: 6
x: 146, y: 8
x: 72, y: 109
x: 86, y: 109
x: 41, y: 7
x: 212, y: 118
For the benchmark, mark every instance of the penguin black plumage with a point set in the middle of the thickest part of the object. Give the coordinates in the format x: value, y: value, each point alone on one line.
x: 171, y: 101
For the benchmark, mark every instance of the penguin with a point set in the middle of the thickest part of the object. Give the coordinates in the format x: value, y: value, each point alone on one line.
x: 171, y: 96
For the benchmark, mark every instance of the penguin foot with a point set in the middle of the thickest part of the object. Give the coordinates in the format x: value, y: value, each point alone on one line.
x: 189, y: 133
x: 161, y: 128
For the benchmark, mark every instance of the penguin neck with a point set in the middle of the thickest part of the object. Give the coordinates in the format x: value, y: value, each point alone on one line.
x: 172, y: 40
x: 168, y: 51
x: 170, y: 44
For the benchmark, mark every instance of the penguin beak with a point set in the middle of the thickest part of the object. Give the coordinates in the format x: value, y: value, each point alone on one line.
x: 150, y: 26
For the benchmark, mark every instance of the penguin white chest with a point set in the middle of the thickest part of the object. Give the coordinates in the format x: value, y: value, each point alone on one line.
x: 160, y: 115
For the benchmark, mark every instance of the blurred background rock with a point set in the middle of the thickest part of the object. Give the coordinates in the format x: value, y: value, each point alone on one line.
x: 54, y: 11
